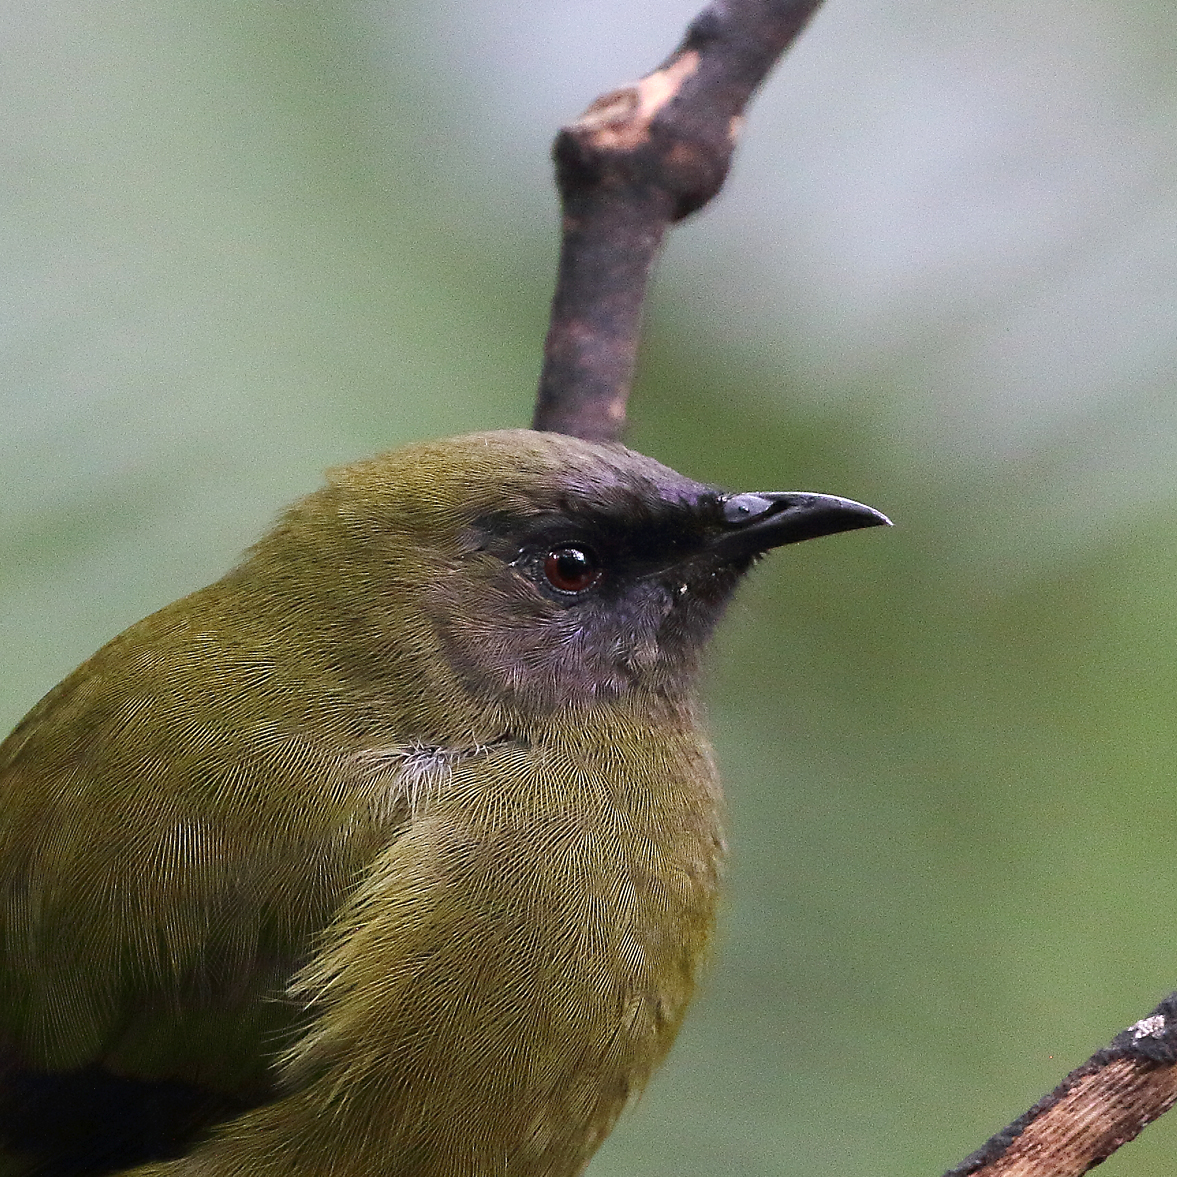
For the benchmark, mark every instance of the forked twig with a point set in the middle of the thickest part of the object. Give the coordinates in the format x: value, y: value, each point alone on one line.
x: 639, y: 159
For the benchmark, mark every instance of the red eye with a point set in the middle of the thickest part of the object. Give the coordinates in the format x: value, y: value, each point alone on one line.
x: 571, y: 569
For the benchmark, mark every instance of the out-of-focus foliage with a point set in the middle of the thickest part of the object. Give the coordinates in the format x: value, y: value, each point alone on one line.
x: 243, y: 241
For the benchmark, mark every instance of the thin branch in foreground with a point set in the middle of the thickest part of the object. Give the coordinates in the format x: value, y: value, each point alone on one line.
x: 639, y: 159
x: 1098, y: 1107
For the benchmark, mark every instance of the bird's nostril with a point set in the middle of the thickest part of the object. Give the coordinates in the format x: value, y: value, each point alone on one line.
x: 742, y: 507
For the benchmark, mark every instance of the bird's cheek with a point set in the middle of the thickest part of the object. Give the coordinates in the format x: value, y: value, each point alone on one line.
x: 698, y: 596
x: 634, y: 626
x: 508, y: 645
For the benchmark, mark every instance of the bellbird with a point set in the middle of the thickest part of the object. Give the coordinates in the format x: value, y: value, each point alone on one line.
x: 395, y: 850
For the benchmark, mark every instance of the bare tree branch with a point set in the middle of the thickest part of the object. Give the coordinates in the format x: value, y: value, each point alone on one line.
x: 635, y: 162
x: 1098, y: 1107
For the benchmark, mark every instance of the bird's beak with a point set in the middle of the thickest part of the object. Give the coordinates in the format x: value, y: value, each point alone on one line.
x: 757, y: 521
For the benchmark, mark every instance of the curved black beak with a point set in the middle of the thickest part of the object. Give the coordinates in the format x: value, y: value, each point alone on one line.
x: 756, y: 521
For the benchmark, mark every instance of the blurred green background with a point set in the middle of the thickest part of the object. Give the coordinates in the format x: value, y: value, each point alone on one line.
x: 241, y: 241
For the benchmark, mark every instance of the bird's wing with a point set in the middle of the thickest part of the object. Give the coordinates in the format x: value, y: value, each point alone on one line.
x: 172, y: 841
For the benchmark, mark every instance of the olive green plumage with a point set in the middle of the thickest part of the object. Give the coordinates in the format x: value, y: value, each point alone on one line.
x: 388, y: 852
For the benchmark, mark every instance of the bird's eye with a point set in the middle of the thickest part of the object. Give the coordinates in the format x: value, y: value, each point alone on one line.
x: 571, y: 568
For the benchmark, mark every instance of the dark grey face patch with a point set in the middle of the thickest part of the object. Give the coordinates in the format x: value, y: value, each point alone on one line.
x: 641, y: 623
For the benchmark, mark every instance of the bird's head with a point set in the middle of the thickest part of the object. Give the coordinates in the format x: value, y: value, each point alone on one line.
x: 542, y: 570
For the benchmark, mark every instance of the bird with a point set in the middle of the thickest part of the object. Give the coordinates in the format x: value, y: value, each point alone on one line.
x: 395, y: 850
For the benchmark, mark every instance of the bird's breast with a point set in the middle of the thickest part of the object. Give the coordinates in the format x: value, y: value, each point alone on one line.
x: 528, y: 947
x: 607, y: 840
